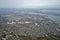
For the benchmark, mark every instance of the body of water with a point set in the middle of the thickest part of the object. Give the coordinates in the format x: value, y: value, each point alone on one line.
x: 55, y: 18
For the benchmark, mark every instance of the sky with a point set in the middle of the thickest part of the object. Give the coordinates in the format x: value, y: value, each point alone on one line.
x: 29, y: 3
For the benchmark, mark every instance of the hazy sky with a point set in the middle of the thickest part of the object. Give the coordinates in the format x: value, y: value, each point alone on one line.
x: 29, y: 3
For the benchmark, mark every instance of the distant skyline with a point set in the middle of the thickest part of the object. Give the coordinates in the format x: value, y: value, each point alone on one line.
x: 29, y: 3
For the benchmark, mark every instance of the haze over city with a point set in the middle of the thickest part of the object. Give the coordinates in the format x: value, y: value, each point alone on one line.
x: 29, y: 19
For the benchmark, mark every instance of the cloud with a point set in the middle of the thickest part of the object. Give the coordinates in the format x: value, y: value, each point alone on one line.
x: 29, y: 3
